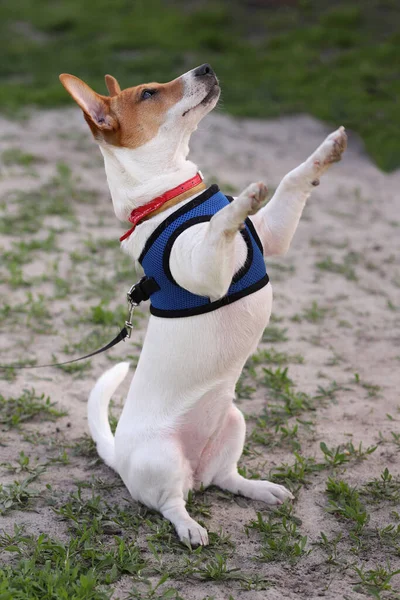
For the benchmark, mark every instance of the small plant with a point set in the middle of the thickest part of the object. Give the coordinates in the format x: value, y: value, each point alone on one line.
x: 386, y: 488
x: 377, y: 580
x: 272, y: 356
x: 297, y: 472
x: 345, y: 503
x: 335, y: 456
x: 281, y: 539
x: 330, y: 546
x: 15, y: 411
x: 216, y: 569
x: 15, y: 156
x: 346, y: 268
x: 329, y: 393
x: 315, y: 314
x: 344, y: 453
x: 274, y: 334
x: 18, y: 495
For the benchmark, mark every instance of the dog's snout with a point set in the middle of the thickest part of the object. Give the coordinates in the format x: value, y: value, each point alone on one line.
x: 203, y: 70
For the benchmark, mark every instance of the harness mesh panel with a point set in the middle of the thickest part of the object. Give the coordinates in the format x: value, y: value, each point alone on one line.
x: 172, y: 297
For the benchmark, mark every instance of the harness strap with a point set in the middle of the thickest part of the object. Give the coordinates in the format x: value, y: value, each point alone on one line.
x: 138, y: 293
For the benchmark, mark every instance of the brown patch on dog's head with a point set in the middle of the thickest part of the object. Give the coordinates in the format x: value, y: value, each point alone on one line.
x: 127, y: 118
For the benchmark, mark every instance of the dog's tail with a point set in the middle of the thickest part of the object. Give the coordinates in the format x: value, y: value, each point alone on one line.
x: 99, y: 400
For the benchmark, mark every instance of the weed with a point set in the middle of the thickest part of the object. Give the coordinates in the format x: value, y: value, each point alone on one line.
x: 281, y: 539
x: 372, y: 389
x: 18, y: 495
x: 76, y: 369
x: 297, y: 472
x: 343, y: 453
x: 329, y: 393
x: 47, y: 568
x: 15, y: 156
x: 216, y: 569
x: 386, y: 487
x: 154, y: 592
x: 396, y: 438
x: 14, y: 411
x: 23, y: 252
x: 345, y: 268
x: 274, y: 357
x: 81, y: 512
x: 274, y: 334
x: 243, y: 389
x: 345, y: 502
x: 23, y: 464
x: 334, y: 457
x: 282, y: 435
x: 313, y: 314
x: 377, y: 580
x: 330, y: 546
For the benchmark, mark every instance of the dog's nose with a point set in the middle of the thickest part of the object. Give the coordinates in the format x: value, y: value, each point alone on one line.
x: 203, y: 70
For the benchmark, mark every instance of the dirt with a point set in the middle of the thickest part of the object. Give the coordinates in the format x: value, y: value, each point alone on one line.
x: 352, y: 218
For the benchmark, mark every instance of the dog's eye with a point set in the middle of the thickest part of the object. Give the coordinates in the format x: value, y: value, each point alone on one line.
x: 147, y: 94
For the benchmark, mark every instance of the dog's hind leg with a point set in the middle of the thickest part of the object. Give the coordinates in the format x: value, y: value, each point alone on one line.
x: 188, y: 529
x: 221, y: 468
x: 158, y: 475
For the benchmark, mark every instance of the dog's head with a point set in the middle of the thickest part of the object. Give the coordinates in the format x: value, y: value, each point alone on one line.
x: 132, y: 117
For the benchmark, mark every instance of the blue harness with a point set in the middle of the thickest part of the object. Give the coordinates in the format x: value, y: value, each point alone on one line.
x: 171, y: 300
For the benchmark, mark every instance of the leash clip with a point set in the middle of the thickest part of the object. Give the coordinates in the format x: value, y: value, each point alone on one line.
x: 131, y: 307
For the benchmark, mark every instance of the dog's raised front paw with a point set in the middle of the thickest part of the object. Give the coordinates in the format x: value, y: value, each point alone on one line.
x: 329, y: 152
x: 252, y: 197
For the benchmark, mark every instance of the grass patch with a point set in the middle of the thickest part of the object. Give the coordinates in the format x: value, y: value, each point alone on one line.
x: 17, y: 410
x: 377, y: 580
x: 345, y: 503
x: 16, y: 156
x: 54, y: 198
x: 281, y: 538
x: 46, y: 568
x: 274, y: 334
x: 19, y: 495
x: 345, y: 268
x: 385, y: 488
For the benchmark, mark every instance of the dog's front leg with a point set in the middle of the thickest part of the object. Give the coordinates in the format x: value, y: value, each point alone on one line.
x: 276, y: 223
x: 205, y: 257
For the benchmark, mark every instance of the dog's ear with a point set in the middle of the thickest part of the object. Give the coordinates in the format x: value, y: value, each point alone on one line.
x: 112, y: 85
x: 96, y: 108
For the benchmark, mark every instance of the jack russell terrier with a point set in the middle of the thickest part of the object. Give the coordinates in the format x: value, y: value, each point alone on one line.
x: 211, y: 301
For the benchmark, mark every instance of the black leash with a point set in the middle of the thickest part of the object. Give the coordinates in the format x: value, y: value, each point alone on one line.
x: 138, y: 293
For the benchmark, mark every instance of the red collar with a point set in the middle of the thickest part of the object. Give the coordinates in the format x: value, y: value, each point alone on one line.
x: 138, y: 214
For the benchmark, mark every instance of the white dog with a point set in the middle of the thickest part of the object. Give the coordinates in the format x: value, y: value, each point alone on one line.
x: 180, y: 428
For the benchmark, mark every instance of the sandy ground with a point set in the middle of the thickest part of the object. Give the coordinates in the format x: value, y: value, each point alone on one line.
x: 350, y: 225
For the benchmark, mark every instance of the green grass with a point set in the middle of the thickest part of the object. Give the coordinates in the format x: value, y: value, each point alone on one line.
x: 338, y: 61
x: 345, y: 503
x: 17, y: 410
x: 16, y: 156
x: 281, y: 539
x: 49, y: 569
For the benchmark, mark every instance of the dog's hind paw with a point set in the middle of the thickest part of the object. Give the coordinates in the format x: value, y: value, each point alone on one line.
x: 192, y: 534
x: 271, y: 493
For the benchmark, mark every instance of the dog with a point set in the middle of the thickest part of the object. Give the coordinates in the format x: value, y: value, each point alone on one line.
x: 180, y: 429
